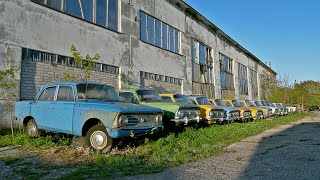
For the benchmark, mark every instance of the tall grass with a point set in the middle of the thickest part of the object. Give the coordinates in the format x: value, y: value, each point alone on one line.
x: 172, y: 150
x: 176, y: 149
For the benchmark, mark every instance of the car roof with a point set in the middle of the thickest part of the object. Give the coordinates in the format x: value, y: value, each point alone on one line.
x: 72, y: 83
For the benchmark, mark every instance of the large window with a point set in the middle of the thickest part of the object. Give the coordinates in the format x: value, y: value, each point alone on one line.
x: 101, y: 12
x: 158, y: 33
x: 202, y: 62
x: 254, y: 82
x: 226, y: 72
x: 243, y: 79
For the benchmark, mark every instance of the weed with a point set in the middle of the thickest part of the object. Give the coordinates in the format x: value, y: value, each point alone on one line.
x: 173, y: 150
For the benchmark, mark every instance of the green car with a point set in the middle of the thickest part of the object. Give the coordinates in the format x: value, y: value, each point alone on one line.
x: 175, y: 113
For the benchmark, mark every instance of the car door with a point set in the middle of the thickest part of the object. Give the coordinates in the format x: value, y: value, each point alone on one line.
x: 41, y: 108
x: 63, y: 109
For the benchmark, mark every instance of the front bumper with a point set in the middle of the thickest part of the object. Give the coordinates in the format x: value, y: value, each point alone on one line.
x: 186, y: 120
x: 133, y: 132
x: 222, y: 119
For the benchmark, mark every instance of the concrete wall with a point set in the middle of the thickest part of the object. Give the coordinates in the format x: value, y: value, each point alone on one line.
x: 40, y: 28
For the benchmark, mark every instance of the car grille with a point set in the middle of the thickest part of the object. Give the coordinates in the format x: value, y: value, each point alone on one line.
x: 189, y: 113
x: 259, y: 113
x: 218, y: 114
x: 141, y: 119
x: 246, y: 113
x: 234, y: 114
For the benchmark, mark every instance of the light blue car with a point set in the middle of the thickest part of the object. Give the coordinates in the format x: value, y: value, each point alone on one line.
x: 87, y: 109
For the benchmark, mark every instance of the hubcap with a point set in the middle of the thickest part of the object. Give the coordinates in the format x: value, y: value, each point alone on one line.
x: 98, y: 140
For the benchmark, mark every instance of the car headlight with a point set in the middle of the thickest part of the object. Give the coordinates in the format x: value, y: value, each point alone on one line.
x: 158, y: 119
x: 211, y: 113
x: 123, y: 120
x: 197, y: 112
x: 180, y: 114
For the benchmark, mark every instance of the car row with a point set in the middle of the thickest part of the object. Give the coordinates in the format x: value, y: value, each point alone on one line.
x: 101, y: 114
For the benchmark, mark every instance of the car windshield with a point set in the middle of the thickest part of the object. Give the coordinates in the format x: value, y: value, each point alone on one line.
x: 237, y: 104
x: 182, y: 99
x: 203, y: 101
x: 149, y: 96
x: 166, y: 98
x: 280, y: 105
x: 220, y: 102
x: 250, y: 103
x: 97, y: 92
x: 243, y: 104
x: 265, y: 103
x: 229, y: 104
x: 258, y: 103
x: 272, y: 105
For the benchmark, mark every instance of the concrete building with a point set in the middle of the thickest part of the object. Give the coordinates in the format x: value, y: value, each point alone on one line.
x: 162, y: 44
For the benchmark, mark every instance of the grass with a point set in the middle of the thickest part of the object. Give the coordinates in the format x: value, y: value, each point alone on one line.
x: 172, y: 150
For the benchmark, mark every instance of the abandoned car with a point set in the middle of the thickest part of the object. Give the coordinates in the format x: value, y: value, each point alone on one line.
x: 87, y: 109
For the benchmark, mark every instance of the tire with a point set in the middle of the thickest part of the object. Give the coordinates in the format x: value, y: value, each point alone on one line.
x: 98, y: 138
x: 32, y: 128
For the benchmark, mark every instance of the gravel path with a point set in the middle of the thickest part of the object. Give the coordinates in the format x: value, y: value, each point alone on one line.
x: 286, y: 152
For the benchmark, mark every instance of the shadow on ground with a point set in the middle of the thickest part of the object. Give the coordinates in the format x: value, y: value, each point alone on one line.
x: 290, y: 154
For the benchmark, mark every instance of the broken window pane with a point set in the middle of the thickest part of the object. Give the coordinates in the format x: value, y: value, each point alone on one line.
x: 202, y: 53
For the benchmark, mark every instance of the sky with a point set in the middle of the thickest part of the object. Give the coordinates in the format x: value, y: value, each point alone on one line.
x: 283, y: 32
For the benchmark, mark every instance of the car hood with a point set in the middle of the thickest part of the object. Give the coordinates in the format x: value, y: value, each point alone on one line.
x: 170, y: 106
x: 229, y: 109
x: 119, y: 107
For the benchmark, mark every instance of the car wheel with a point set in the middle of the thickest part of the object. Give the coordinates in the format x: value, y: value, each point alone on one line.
x: 98, y: 138
x: 32, y: 128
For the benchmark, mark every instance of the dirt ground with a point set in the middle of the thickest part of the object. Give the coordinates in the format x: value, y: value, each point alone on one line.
x: 287, y: 152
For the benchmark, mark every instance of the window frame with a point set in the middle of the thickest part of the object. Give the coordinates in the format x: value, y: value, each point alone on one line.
x: 43, y: 90
x: 63, y: 10
x: 70, y: 90
x: 168, y: 42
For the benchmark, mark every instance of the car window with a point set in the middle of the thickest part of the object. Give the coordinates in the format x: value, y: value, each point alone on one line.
x: 237, y: 104
x: 182, y: 99
x: 193, y: 102
x: 250, y: 103
x: 65, y: 93
x: 127, y: 97
x: 219, y: 102
x: 228, y: 104
x: 203, y: 101
x: 149, y: 96
x: 48, y: 94
x: 166, y: 98
x: 97, y: 92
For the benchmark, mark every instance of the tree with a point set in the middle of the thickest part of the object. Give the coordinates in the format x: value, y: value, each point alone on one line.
x: 8, y: 84
x: 87, y: 64
x: 268, y: 83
